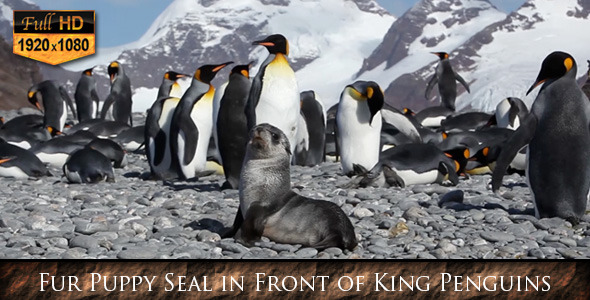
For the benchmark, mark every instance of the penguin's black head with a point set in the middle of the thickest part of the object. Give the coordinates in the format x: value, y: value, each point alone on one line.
x: 88, y: 72
x: 441, y: 55
x: 555, y: 65
x: 275, y: 43
x: 173, y: 76
x: 33, y: 98
x: 371, y: 92
x: 206, y: 73
x: 460, y: 156
x: 244, y: 70
x: 113, y: 69
x: 408, y: 112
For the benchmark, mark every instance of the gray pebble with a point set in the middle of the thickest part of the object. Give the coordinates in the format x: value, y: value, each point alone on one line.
x: 494, y: 236
x: 84, y: 241
x: 136, y: 254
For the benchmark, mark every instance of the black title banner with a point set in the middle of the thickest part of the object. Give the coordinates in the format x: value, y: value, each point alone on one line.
x: 50, y: 21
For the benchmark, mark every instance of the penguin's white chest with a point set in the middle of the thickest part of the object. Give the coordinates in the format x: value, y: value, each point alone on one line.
x: 202, y: 117
x: 55, y: 159
x: 411, y: 177
x: 14, y: 172
x: 63, y: 117
x: 278, y: 104
x: 359, y: 141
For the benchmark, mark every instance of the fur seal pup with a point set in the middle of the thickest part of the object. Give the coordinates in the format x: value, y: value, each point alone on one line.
x: 268, y: 206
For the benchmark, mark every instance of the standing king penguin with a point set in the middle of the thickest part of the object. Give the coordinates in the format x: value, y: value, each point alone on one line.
x: 157, y: 137
x: 232, y: 125
x: 55, y: 103
x: 274, y: 95
x: 192, y: 123
x: 120, y: 96
x: 169, y: 86
x: 446, y: 78
x: 359, y: 125
x: 86, y: 97
x: 558, y: 133
x: 315, y: 120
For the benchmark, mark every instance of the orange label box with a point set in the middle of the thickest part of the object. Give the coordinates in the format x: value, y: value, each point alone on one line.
x: 54, y: 36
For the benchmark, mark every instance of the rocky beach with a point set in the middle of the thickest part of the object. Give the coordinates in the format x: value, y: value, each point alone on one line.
x: 138, y: 218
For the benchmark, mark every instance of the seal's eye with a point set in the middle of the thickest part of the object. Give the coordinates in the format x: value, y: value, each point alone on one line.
x: 275, y: 136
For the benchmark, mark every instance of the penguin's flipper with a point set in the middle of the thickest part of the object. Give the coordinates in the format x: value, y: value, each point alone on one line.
x: 64, y: 94
x: 450, y: 170
x: 392, y: 179
x: 95, y: 99
x: 160, y: 145
x: 513, y: 113
x: 106, y: 105
x: 521, y: 137
x: 433, y: 81
x: 191, y: 138
x: 462, y: 81
x: 252, y: 102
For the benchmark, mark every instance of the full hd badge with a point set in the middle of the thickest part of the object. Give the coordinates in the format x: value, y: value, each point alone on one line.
x: 54, y: 36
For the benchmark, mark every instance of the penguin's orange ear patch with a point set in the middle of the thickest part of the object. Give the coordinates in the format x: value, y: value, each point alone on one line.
x: 444, y: 135
x: 245, y: 73
x: 568, y: 63
x: 466, y: 153
x: 457, y: 166
x: 167, y: 76
x: 370, y: 92
x: 198, y: 74
x: 486, y: 151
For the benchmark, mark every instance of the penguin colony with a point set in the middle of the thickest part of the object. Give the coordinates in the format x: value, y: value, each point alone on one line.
x: 255, y: 127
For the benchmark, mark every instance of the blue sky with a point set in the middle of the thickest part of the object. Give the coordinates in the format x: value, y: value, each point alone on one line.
x: 123, y: 21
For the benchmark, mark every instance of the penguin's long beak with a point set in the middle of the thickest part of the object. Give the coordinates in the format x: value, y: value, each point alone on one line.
x: 7, y: 159
x: 221, y: 66
x: 263, y: 43
x: 536, y: 84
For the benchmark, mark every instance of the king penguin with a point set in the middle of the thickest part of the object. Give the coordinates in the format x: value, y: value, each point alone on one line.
x: 86, y: 97
x: 192, y: 123
x: 20, y: 163
x: 312, y: 110
x: 446, y: 78
x: 558, y: 133
x: 510, y: 112
x: 274, y: 95
x: 169, y: 86
x: 120, y: 95
x: 157, y: 137
x: 232, y: 125
x: 55, y: 102
x: 359, y: 125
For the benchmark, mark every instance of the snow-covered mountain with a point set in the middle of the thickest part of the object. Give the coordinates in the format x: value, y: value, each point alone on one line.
x: 6, y: 8
x: 429, y: 26
x: 328, y: 41
x: 500, y: 60
x: 505, y: 58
